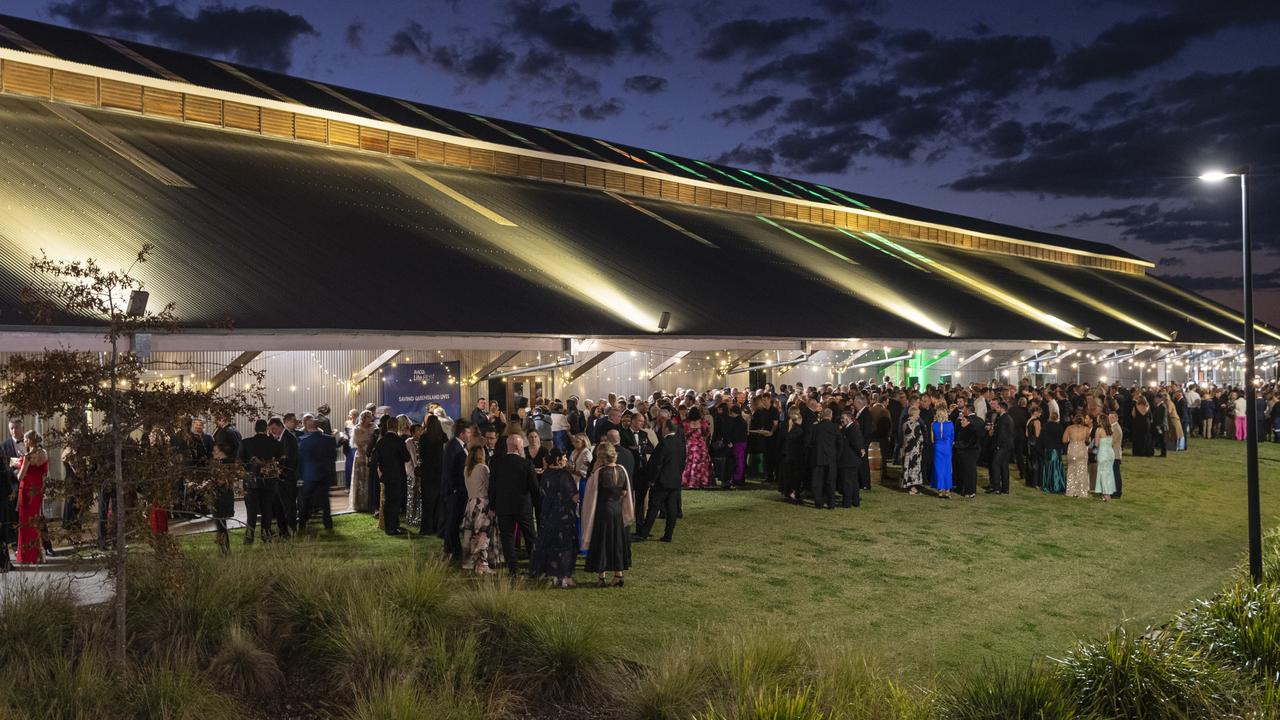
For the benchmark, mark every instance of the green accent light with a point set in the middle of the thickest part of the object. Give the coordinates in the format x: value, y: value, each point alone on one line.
x: 837, y: 193
x: 814, y: 243
x: 855, y: 236
x: 505, y: 131
x: 802, y: 188
x: 767, y: 181
x: 573, y: 145
x: 682, y: 166
x: 734, y: 178
x: 934, y: 361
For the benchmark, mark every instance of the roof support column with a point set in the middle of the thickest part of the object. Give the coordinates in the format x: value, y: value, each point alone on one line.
x: 374, y: 366
x: 492, y: 366
x: 232, y: 369
x: 581, y: 368
x: 668, y: 364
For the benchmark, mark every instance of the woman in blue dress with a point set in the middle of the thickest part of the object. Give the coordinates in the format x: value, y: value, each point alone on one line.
x: 944, y: 434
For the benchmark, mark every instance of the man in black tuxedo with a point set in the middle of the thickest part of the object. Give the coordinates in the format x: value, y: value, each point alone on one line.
x: 11, y: 448
x: 261, y: 456
x: 479, y: 416
x: 665, y: 467
x: 852, y: 453
x: 824, y: 454
x: 1020, y: 415
x: 513, y: 487
x: 1001, y: 448
x: 227, y: 434
x: 454, y: 486
x: 636, y: 440
x: 286, y: 500
x: 392, y: 456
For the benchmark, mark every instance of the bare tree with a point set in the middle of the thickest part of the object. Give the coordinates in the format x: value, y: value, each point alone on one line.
x: 131, y: 452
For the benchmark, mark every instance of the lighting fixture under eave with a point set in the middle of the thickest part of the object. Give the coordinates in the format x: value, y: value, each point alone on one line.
x: 1010, y: 301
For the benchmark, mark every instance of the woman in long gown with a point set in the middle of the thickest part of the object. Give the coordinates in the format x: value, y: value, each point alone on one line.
x: 556, y: 552
x: 32, y: 469
x: 944, y: 435
x: 1053, y: 477
x: 912, y: 460
x: 479, y: 537
x: 362, y: 441
x: 1105, y: 483
x: 793, y: 457
x: 1141, y: 432
x: 1035, y: 455
x: 606, y: 512
x: 1076, y: 438
x: 431, y: 452
x: 580, y: 461
x: 697, y: 468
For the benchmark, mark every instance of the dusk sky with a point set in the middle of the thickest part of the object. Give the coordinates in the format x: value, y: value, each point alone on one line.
x: 1084, y: 118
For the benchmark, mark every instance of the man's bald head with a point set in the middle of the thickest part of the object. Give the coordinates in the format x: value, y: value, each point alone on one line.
x: 614, y: 437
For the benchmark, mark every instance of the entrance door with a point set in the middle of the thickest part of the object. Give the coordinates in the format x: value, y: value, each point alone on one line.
x: 530, y: 387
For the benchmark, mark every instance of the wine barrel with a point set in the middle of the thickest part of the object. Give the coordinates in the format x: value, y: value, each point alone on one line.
x: 877, y: 463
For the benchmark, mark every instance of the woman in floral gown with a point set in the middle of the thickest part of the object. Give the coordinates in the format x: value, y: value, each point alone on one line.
x: 697, y: 468
x: 912, y: 452
x: 479, y: 537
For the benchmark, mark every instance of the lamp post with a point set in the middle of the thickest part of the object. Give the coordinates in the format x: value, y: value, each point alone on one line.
x: 1250, y: 393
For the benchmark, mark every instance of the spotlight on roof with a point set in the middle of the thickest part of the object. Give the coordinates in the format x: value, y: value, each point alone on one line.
x: 663, y: 321
x: 137, y: 302
x: 951, y: 330
x: 1173, y: 335
x: 1086, y: 334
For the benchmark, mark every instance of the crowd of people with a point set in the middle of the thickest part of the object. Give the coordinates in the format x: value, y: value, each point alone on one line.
x: 558, y: 481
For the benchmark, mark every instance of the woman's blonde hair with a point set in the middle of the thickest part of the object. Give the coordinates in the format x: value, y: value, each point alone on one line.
x: 606, y: 452
x: 940, y: 416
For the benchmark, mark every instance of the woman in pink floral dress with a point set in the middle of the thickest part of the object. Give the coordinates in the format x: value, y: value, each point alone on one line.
x: 697, y: 468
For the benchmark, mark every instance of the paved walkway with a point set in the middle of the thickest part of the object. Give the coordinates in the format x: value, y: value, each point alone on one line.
x: 88, y: 579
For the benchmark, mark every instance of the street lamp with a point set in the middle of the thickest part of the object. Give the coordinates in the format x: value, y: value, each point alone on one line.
x: 1250, y: 393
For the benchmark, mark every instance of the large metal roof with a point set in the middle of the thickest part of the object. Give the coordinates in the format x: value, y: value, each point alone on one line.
x: 150, y: 61
x: 289, y: 237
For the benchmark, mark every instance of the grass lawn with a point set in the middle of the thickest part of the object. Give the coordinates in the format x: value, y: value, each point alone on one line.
x: 922, y: 585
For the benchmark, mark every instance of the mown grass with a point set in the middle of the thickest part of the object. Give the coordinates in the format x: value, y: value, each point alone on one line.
x: 925, y: 586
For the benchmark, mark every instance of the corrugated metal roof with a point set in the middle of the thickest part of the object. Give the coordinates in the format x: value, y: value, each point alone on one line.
x: 140, y: 58
x: 285, y: 235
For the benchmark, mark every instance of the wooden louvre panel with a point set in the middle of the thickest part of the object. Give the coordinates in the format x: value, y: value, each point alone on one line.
x: 309, y: 127
x: 162, y: 103
x: 595, y: 176
x: 505, y: 163
x: 529, y: 167
x: 684, y: 193
x: 633, y: 183
x: 374, y: 140
x: 482, y: 159
x: 553, y: 170
x: 575, y: 173
x: 806, y: 213
x: 25, y: 79
x: 240, y: 116
x: 614, y: 180
x: 344, y: 134
x: 402, y: 145
x: 777, y: 208
x: 652, y: 186
x: 75, y: 87
x: 719, y: 198
x: 734, y: 201
x: 431, y: 150
x: 702, y: 196
x: 670, y: 190
x: 457, y: 155
x: 203, y: 110
x: 121, y: 95
x: 277, y: 122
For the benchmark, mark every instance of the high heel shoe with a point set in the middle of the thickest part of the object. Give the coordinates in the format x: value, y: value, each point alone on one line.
x: 617, y: 582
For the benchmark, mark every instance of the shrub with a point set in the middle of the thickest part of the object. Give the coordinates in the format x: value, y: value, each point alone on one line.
x: 1033, y: 692
x: 451, y: 661
x: 419, y: 590
x: 847, y: 687
x: 193, y: 601
x: 408, y: 701
x: 244, y: 668
x: 674, y: 687
x: 171, y: 687
x: 560, y: 660
x: 369, y: 647
x: 37, y: 623
x: 74, y: 685
x: 776, y: 705
x: 1241, y: 627
x: 1155, y: 677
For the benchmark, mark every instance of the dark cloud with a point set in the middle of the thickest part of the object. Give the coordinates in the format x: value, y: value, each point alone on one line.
x: 821, y: 70
x: 749, y: 156
x: 748, y: 111
x: 1174, y: 261
x: 1126, y: 48
x: 551, y: 70
x: 1149, y: 149
x: 850, y: 7
x: 1269, y: 281
x: 1005, y: 140
x: 601, y: 110
x: 645, y: 84
x: 253, y: 35
x: 564, y: 28
x: 480, y: 61
x: 829, y: 151
x: 751, y: 37
x: 635, y: 21
x: 354, y: 35
x: 991, y: 67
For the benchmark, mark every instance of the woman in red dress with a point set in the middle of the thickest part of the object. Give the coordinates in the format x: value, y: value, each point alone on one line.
x: 697, y: 468
x: 31, y: 472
